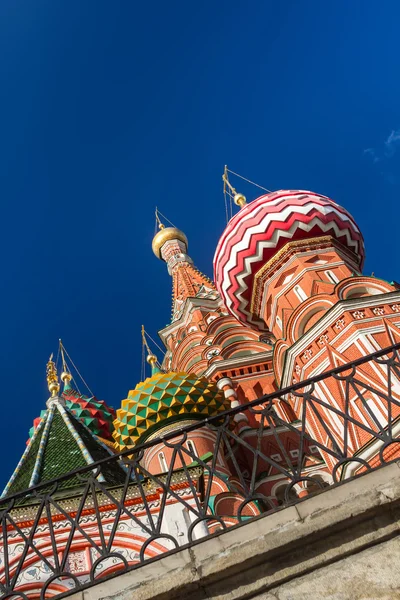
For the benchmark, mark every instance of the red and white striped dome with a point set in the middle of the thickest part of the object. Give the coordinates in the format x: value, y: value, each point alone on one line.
x: 261, y: 228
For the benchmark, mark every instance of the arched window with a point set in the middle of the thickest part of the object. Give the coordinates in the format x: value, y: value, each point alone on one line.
x: 362, y: 290
x: 280, y: 495
x: 317, y: 484
x: 163, y: 462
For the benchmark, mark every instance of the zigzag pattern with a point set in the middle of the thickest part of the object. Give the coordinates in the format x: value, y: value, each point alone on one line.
x: 261, y: 228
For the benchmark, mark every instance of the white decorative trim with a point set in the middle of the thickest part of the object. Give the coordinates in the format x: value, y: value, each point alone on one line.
x: 225, y: 381
x: 239, y: 362
x: 330, y: 317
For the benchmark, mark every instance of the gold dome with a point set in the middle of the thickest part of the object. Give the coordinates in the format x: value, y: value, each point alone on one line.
x: 164, y: 235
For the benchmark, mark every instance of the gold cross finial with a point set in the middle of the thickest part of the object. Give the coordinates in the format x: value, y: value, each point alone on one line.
x: 238, y: 199
x: 52, y: 378
x: 65, y: 375
x: 151, y: 358
x: 160, y: 225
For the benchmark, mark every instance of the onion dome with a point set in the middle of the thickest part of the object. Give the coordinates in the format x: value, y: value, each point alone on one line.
x: 95, y: 414
x: 167, y: 234
x: 164, y: 399
x: 260, y: 229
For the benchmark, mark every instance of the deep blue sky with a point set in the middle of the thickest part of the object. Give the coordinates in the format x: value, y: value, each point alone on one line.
x: 110, y: 108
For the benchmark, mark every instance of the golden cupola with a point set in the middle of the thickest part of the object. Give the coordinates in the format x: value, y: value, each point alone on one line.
x: 164, y: 400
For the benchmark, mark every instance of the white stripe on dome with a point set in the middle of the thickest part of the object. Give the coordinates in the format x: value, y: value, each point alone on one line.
x: 261, y: 245
x: 260, y: 205
x: 244, y: 243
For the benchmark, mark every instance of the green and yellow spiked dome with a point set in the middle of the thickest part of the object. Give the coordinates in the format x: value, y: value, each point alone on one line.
x: 163, y: 399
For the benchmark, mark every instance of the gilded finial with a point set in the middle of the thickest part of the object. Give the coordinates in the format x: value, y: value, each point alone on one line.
x: 160, y: 225
x: 151, y: 358
x: 65, y: 375
x: 165, y: 234
x: 238, y: 199
x: 52, y: 379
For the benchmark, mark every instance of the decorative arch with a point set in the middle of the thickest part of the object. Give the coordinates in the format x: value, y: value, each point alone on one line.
x: 358, y: 287
x: 306, y: 315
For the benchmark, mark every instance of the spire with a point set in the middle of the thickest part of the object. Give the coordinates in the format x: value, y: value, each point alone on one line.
x: 70, y: 429
x: 170, y: 244
x: 66, y: 376
x: 61, y: 434
x: 52, y: 378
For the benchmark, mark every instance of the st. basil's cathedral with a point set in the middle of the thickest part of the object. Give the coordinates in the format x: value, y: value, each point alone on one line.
x: 288, y: 304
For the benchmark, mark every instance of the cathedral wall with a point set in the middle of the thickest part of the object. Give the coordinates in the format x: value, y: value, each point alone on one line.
x: 342, y: 544
x: 82, y: 560
x: 198, y: 443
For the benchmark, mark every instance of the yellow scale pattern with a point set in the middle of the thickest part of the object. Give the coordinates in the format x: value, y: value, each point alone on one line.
x: 165, y: 398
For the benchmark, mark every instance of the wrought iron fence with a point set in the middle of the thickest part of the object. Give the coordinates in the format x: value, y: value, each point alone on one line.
x: 264, y: 455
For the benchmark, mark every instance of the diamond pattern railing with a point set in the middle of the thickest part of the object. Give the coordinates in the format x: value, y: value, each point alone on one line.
x: 55, y: 541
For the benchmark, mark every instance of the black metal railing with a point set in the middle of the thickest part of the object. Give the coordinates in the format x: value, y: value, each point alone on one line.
x: 269, y: 453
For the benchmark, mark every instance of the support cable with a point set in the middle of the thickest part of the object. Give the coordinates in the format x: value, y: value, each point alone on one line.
x: 77, y: 370
x: 248, y: 181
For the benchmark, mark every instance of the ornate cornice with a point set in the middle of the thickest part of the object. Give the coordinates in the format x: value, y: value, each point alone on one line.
x: 290, y: 248
x: 323, y: 323
x: 234, y: 363
x: 25, y: 515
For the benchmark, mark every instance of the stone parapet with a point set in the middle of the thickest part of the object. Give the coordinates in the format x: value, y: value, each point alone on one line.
x: 342, y: 544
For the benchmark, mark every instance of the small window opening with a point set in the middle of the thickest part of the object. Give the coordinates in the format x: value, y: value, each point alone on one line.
x: 163, y: 462
x: 332, y: 276
x: 191, y: 447
x: 300, y: 293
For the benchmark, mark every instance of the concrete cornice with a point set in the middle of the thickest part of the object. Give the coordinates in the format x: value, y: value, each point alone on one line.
x: 321, y: 547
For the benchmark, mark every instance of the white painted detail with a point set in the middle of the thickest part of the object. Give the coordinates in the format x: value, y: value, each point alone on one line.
x: 300, y: 293
x: 163, y: 462
x: 332, y: 276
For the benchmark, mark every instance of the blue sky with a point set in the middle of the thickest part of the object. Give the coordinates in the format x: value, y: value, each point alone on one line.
x: 108, y: 109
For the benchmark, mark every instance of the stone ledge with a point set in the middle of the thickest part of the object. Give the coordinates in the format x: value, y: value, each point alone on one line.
x: 271, y: 550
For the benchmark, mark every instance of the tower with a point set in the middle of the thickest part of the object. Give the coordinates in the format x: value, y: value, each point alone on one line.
x: 290, y: 262
x: 202, y: 336
x: 70, y: 434
x: 163, y: 403
x: 99, y: 491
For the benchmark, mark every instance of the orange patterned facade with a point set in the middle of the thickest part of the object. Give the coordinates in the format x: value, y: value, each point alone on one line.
x: 289, y: 302
x: 310, y: 310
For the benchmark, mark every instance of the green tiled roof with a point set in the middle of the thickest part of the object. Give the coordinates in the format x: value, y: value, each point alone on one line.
x: 59, y: 449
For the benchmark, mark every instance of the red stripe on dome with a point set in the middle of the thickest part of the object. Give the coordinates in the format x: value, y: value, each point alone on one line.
x: 263, y: 211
